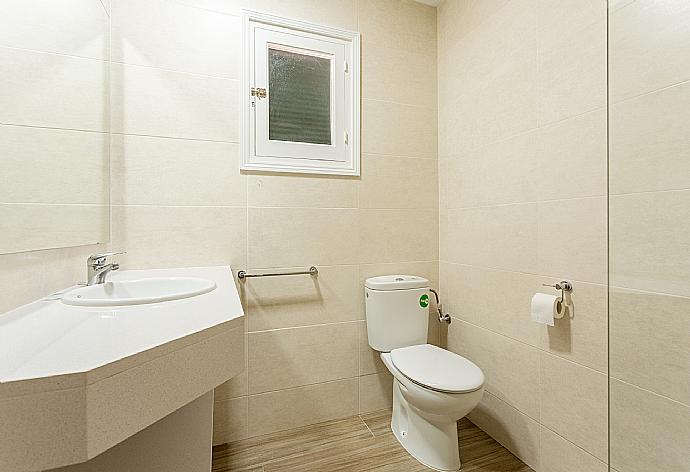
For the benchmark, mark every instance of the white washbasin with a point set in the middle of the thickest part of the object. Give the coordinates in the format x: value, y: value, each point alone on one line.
x: 139, y: 291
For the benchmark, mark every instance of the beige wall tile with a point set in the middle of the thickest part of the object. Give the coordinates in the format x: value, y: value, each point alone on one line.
x: 287, y: 409
x: 35, y: 274
x: 572, y: 239
x: 573, y: 403
x: 229, y: 420
x: 72, y: 27
x: 647, y: 43
x: 27, y: 227
x: 397, y: 236
x: 650, y: 341
x: 572, y: 75
x: 307, y: 191
x: 648, y: 432
x: 161, y: 171
x: 566, y: 19
x: 556, y: 454
x: 501, y: 237
x: 458, y: 292
x: 408, y: 25
x: 174, y: 36
x: 78, y: 163
x: 314, y: 237
x: 582, y: 335
x: 299, y: 356
x: 572, y: 158
x: 233, y: 388
x: 398, y: 130
x: 54, y: 91
x: 650, y: 148
x: 301, y: 301
x: 507, y: 171
x: 149, y: 101
x: 426, y: 269
x: 403, y: 183
x: 369, y: 360
x: 517, y: 432
x: 649, y: 247
x: 457, y: 19
x: 375, y: 392
x: 157, y: 237
x: 392, y: 74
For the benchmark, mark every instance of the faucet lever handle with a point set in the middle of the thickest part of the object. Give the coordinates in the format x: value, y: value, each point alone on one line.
x: 97, y: 257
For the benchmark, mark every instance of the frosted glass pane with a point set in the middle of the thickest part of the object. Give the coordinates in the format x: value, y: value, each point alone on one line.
x: 299, y: 91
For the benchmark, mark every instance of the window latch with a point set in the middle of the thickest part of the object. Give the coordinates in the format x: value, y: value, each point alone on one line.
x: 258, y: 92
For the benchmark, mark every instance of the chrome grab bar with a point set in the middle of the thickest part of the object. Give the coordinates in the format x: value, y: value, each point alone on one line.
x: 244, y: 275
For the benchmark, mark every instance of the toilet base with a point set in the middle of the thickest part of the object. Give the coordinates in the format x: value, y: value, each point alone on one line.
x: 433, y: 441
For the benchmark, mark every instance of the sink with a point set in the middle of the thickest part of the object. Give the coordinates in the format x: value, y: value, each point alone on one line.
x: 139, y: 291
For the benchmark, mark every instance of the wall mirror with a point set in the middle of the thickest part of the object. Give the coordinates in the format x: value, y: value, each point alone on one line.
x: 54, y: 124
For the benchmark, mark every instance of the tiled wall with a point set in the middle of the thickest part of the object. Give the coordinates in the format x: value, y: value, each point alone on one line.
x: 522, y: 158
x: 179, y: 198
x: 53, y: 143
x: 649, y: 100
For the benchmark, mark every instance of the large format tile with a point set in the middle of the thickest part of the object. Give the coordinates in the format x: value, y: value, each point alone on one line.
x: 572, y: 239
x: 175, y: 172
x: 650, y: 341
x: 572, y: 75
x: 304, y: 191
x: 500, y: 237
x: 159, y: 102
x: 292, y: 357
x: 652, y: 153
x: 229, y: 420
x: 397, y: 236
x: 78, y: 163
x: 403, y: 183
x: 179, y: 236
x: 648, y: 47
x: 408, y: 26
x: 393, y: 74
x: 573, y: 403
x: 375, y: 392
x: 292, y: 408
x: 71, y: 27
x: 501, y: 172
x: 515, y: 431
x: 174, y: 36
x: 313, y: 236
x: 565, y: 19
x: 649, y: 247
x: 556, y: 454
x: 398, y: 130
x: 648, y: 432
x: 54, y: 91
x: 572, y: 158
x: 301, y: 301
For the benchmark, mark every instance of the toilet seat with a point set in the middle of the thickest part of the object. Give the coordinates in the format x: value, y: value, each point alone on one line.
x: 437, y: 369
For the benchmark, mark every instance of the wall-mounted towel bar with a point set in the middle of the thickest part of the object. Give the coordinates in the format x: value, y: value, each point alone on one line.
x: 244, y: 275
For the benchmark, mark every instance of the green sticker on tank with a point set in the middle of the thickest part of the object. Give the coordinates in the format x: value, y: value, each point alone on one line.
x: 424, y: 301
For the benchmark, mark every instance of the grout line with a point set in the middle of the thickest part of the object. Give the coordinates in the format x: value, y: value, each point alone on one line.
x: 531, y: 274
x: 651, y: 92
x: 105, y: 133
x: 142, y: 135
x: 645, y: 192
x: 651, y: 392
x: 306, y: 326
x: 527, y: 202
x: 366, y: 425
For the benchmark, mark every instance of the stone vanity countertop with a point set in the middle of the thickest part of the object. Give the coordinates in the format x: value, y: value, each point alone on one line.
x: 48, y: 345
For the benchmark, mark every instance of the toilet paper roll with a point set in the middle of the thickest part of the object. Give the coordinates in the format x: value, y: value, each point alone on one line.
x: 546, y: 307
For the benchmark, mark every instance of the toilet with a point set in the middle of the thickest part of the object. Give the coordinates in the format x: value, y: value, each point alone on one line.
x: 433, y: 388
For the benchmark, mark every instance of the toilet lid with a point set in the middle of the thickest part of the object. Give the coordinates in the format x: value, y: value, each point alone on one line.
x: 437, y: 369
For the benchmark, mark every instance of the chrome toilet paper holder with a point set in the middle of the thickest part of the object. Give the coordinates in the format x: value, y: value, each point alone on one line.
x: 563, y: 286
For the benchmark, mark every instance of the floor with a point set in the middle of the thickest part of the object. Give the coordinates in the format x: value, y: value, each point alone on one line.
x: 359, y: 443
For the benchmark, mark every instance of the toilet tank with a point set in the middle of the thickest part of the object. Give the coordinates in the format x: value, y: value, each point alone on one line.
x: 397, y: 308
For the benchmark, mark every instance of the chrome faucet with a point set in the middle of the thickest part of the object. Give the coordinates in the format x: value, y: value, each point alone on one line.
x: 97, y: 269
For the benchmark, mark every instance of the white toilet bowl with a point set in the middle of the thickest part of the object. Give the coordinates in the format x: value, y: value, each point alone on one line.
x: 433, y: 389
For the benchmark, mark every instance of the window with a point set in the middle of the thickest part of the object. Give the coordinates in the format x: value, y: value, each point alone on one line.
x: 300, y: 97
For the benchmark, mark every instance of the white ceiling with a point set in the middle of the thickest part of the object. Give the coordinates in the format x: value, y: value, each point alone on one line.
x: 433, y: 3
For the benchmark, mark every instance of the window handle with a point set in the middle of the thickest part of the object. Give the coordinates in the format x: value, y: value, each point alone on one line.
x: 258, y: 92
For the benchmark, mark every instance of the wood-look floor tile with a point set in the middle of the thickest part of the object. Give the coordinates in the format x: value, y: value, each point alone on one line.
x: 348, y: 445
x: 239, y: 455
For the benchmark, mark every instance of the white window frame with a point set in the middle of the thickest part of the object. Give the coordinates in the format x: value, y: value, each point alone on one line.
x: 342, y: 157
